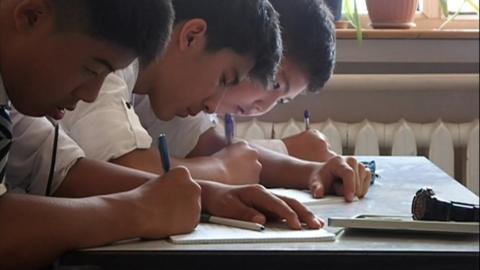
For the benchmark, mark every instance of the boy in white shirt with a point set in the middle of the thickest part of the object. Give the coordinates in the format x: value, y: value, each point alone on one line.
x: 306, y: 66
x: 216, y: 45
x: 192, y: 76
x: 142, y: 202
x: 40, y: 75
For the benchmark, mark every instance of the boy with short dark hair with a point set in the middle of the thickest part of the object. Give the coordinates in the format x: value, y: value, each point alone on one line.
x: 308, y: 61
x: 54, y: 53
x: 215, y: 44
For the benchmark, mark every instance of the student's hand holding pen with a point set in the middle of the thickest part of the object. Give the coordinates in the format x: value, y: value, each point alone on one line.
x: 168, y: 205
x: 240, y: 164
x: 254, y: 203
x: 343, y: 176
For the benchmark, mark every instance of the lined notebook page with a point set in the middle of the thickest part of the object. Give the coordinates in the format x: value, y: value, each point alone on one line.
x: 213, y: 233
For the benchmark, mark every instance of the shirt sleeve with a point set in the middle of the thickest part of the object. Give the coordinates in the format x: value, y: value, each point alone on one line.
x: 182, y: 133
x: 30, y: 157
x: 108, y: 128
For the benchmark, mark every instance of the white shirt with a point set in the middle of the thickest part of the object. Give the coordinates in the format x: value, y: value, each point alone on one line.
x: 3, y: 101
x: 182, y: 133
x: 30, y: 157
x: 109, y: 128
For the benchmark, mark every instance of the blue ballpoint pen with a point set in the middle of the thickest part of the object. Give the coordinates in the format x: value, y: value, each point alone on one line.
x: 306, y: 118
x: 229, y: 128
x: 163, y: 148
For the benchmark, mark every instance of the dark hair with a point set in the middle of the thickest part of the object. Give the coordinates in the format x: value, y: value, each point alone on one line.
x: 143, y: 26
x: 248, y: 27
x: 309, y: 40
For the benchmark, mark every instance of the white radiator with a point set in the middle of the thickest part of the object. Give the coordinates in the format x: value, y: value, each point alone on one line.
x: 454, y: 147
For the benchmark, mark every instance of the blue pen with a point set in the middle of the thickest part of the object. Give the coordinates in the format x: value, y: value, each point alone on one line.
x: 163, y: 148
x: 306, y: 119
x: 229, y: 128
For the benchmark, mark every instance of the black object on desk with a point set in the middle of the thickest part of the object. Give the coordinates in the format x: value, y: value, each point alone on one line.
x: 426, y: 206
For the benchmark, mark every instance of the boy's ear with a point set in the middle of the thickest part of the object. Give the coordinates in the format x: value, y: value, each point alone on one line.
x: 28, y: 14
x: 192, y: 32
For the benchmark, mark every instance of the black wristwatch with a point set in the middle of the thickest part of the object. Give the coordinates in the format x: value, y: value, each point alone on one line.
x: 426, y: 206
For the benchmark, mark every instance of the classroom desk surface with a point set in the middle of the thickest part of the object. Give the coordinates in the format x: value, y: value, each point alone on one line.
x: 392, y: 193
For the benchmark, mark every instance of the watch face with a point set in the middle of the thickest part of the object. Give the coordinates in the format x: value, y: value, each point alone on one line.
x: 419, y: 203
x: 419, y: 206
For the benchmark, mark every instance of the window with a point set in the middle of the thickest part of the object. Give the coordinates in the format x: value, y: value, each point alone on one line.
x: 455, y: 5
x: 430, y: 8
x: 430, y: 15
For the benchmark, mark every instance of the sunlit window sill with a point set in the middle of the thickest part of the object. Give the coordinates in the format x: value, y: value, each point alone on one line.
x: 410, y: 34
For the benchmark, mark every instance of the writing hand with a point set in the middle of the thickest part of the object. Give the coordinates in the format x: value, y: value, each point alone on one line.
x: 256, y: 204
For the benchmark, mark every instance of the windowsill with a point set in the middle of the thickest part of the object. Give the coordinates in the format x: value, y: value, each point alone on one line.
x: 410, y: 34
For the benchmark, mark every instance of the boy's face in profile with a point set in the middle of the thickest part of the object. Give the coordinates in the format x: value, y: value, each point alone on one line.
x: 45, y: 71
x: 251, y: 99
x: 199, y: 85
x: 189, y: 79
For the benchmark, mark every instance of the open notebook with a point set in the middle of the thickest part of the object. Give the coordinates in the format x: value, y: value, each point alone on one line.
x: 305, y: 197
x: 213, y: 233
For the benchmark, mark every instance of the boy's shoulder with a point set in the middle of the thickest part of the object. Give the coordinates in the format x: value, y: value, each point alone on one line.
x: 128, y: 75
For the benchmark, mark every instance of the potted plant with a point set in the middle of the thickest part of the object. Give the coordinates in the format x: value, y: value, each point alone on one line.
x: 398, y: 14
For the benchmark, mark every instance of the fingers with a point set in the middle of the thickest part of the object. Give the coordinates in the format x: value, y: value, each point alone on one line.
x: 343, y: 171
x: 317, y: 189
x: 366, y: 183
x: 303, y: 213
x: 242, y: 211
x: 363, y: 177
x: 283, y: 208
x: 352, y: 178
x: 352, y: 162
x: 259, y: 198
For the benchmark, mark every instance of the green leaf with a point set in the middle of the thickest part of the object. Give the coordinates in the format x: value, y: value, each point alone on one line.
x: 444, y: 7
x: 357, y: 22
x: 352, y: 16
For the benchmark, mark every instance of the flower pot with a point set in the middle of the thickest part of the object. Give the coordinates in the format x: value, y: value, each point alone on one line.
x: 392, y: 14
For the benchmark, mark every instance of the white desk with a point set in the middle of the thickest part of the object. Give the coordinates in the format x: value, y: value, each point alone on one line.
x: 400, y: 178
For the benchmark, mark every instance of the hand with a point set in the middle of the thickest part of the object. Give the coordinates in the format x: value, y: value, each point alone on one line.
x: 240, y: 164
x: 254, y: 203
x: 342, y: 176
x: 168, y: 205
x: 309, y: 145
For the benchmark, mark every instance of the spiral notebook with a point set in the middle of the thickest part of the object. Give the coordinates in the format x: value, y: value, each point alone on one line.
x: 212, y: 233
